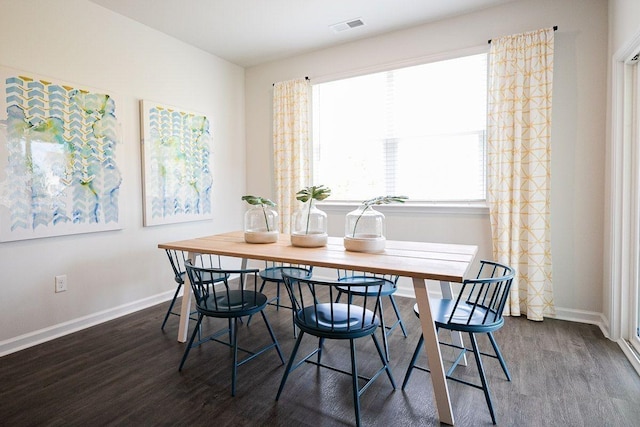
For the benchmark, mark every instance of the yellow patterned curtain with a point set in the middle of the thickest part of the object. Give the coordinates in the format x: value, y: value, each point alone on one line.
x: 291, y: 145
x: 519, y: 129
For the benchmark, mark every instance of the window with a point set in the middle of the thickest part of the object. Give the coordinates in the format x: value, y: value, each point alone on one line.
x: 418, y: 131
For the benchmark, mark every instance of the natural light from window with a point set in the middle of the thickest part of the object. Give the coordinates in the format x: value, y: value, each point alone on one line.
x: 417, y: 131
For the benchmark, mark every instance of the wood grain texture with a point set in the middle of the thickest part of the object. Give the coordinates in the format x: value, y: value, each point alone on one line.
x: 125, y: 372
x: 434, y: 261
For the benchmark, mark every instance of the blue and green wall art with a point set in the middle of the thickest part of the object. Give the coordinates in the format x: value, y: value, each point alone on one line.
x: 176, y: 152
x: 58, y: 169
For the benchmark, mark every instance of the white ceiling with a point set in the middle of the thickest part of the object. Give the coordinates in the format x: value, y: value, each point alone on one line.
x: 251, y: 32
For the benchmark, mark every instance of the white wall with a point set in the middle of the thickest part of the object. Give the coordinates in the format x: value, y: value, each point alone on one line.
x: 77, y: 41
x: 578, y: 133
x: 624, y: 22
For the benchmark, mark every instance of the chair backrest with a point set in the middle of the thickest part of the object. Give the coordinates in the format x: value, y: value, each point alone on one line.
x: 352, y: 275
x: 279, y: 265
x: 214, y: 290
x: 315, y: 306
x: 177, y: 260
x: 481, y: 301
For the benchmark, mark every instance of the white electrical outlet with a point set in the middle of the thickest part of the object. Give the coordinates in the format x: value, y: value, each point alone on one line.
x: 61, y: 283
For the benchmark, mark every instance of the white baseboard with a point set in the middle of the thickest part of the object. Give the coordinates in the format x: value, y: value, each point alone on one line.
x: 37, y: 337
x: 43, y: 335
x: 582, y: 316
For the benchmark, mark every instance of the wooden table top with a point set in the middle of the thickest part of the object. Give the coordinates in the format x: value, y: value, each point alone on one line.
x: 433, y: 261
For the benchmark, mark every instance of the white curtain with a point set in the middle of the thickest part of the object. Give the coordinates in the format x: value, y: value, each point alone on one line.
x: 291, y: 145
x: 519, y: 130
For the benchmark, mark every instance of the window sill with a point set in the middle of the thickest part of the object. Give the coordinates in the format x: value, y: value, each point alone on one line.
x: 435, y: 208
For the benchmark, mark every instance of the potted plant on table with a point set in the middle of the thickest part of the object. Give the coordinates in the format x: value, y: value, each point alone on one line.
x: 309, y: 224
x: 260, y: 222
x: 365, y: 227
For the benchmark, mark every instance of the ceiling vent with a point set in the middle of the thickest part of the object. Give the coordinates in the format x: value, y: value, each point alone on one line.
x: 347, y: 25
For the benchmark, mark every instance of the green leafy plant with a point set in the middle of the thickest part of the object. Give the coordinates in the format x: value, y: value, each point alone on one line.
x: 380, y: 200
x: 309, y: 194
x: 262, y: 202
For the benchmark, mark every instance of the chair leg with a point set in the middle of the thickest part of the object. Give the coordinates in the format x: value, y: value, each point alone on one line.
x: 273, y: 337
x: 354, y: 378
x: 234, y: 344
x: 293, y: 323
x: 193, y: 336
x: 320, y: 345
x: 499, y: 355
x: 383, y: 326
x: 384, y: 361
x: 339, y: 296
x: 173, y: 301
x: 397, y: 311
x: 289, y: 364
x: 414, y: 359
x: 483, y: 379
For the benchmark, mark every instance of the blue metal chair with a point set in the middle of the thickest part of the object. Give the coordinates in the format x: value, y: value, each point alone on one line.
x: 317, y: 313
x: 220, y: 301
x: 477, y: 310
x: 177, y: 260
x: 272, y: 273
x: 389, y: 287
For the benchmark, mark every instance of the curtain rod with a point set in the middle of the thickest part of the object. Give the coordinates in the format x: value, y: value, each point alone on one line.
x: 305, y: 77
x: 555, y: 28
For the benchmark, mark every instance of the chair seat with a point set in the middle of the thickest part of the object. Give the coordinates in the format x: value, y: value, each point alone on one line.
x: 347, y: 322
x: 235, y: 303
x: 388, y: 288
x: 441, y: 310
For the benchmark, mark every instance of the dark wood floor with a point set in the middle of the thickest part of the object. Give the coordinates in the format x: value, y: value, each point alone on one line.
x: 125, y: 372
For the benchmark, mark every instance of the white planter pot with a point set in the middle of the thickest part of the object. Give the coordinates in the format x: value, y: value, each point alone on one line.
x: 261, y: 236
x: 364, y: 244
x: 312, y: 240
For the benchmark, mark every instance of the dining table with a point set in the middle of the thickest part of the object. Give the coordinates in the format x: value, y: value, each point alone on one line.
x: 421, y: 261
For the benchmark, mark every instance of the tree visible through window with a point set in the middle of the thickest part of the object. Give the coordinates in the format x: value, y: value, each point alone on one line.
x: 417, y: 131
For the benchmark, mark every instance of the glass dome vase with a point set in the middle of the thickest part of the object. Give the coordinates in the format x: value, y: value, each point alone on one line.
x: 309, y: 227
x: 261, y: 224
x: 364, y: 230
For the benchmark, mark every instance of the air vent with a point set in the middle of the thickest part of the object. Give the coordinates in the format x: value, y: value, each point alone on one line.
x: 347, y: 25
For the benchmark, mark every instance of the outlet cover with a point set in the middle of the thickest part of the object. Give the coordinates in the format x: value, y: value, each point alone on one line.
x: 61, y: 283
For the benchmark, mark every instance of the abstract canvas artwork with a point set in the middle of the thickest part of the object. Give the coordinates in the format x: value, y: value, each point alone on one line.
x: 58, y: 169
x: 176, y: 153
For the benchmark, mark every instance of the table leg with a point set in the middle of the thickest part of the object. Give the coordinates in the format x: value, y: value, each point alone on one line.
x: 438, y: 378
x: 185, y: 309
x: 456, y: 337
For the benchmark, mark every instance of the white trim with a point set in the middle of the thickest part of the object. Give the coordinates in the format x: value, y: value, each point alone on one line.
x: 394, y: 65
x: 631, y: 354
x: 435, y: 208
x: 61, y: 329
x: 579, y: 316
x: 405, y: 290
x: 624, y: 209
x: 583, y: 316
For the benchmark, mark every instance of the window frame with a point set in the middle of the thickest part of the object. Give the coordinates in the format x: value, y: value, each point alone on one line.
x: 436, y: 206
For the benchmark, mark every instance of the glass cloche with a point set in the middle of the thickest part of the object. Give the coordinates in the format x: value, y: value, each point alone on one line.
x: 309, y: 226
x: 365, y: 227
x: 260, y: 221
